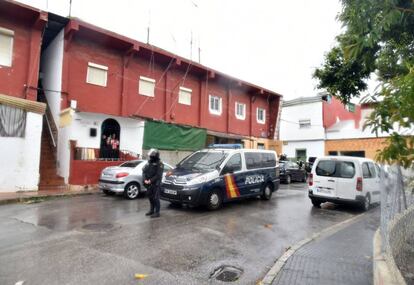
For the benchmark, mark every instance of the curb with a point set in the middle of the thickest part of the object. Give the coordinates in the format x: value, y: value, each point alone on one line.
x: 280, y: 262
x: 28, y: 198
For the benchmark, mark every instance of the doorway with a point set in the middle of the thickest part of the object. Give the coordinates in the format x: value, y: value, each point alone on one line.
x: 110, y: 139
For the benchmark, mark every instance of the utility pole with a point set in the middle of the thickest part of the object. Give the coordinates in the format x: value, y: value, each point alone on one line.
x: 70, y: 8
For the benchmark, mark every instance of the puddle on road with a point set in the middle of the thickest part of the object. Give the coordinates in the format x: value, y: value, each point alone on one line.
x: 226, y: 273
x: 98, y: 227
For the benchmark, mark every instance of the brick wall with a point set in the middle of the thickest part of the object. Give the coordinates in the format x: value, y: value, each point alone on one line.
x: 370, y: 146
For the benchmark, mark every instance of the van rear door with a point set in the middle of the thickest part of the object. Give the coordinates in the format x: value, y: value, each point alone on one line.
x: 346, y: 180
x: 324, y: 181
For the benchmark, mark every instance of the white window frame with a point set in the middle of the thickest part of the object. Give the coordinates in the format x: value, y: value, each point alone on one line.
x: 305, y: 123
x: 8, y: 33
x: 220, y: 105
x: 184, y: 92
x: 97, y: 66
x: 242, y: 116
x: 147, y: 80
x: 261, y: 121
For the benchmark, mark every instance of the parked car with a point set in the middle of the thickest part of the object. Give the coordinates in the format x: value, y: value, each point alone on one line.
x: 125, y: 178
x: 220, y: 174
x: 290, y: 171
x: 344, y: 179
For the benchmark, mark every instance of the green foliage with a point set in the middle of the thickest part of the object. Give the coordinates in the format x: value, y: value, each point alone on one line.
x: 378, y: 37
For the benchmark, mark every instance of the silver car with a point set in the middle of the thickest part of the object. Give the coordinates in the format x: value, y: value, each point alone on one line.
x: 125, y: 178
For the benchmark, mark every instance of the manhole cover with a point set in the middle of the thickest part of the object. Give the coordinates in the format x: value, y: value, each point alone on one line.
x: 227, y: 273
x: 98, y: 227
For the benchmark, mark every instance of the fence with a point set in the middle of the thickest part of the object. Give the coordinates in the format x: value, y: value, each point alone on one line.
x: 397, y: 218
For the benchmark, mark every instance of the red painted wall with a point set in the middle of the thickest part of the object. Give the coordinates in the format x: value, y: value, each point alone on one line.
x: 335, y: 109
x: 260, y: 130
x: 237, y: 126
x: 20, y: 79
x: 84, y: 172
x: 121, y: 97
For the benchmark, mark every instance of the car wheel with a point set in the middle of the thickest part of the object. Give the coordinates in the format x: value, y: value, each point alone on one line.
x: 131, y: 190
x: 316, y: 203
x: 366, y: 204
x: 214, y: 200
x: 288, y: 179
x: 267, y: 192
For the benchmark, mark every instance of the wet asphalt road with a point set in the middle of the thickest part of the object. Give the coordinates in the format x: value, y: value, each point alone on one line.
x: 101, y: 239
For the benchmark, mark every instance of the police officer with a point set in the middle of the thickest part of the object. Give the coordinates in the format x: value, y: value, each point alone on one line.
x: 152, y: 174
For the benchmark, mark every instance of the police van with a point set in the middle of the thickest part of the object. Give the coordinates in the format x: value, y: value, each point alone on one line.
x: 220, y: 174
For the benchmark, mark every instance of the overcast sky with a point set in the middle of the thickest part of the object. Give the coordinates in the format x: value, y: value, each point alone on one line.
x: 272, y: 43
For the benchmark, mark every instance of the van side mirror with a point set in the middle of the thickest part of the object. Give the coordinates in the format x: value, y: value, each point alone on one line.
x: 227, y: 169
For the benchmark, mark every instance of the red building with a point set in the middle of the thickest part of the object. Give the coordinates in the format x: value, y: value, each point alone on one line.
x: 99, y: 84
x: 21, y: 29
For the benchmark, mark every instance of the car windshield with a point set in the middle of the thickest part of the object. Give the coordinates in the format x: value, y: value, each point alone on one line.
x: 131, y: 164
x: 203, y: 160
x: 282, y: 165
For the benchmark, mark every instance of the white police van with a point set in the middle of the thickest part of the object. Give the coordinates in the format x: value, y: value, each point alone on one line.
x: 220, y: 174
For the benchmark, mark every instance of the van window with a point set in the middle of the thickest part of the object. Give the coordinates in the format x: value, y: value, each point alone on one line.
x: 259, y: 160
x: 332, y: 168
x: 233, y: 165
x: 365, y: 171
x: 203, y: 160
x: 372, y: 169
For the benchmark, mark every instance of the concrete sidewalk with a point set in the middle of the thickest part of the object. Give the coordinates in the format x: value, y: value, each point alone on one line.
x: 24, y: 196
x: 344, y: 257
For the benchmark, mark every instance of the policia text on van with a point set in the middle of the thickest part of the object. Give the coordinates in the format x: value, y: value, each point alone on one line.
x: 216, y: 175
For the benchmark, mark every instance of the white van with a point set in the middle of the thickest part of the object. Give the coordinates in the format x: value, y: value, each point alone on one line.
x: 344, y: 179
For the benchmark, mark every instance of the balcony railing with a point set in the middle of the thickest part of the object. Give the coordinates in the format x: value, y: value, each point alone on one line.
x: 94, y: 154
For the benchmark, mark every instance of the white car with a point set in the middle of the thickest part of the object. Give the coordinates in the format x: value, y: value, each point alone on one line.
x: 345, y: 179
x: 125, y: 178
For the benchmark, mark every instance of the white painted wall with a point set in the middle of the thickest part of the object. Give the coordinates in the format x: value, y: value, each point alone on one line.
x: 313, y: 148
x: 131, y: 136
x: 19, y: 170
x: 289, y: 122
x: 347, y: 130
x: 51, y: 67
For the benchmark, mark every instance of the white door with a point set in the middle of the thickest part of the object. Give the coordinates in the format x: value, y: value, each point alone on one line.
x: 346, y: 180
x: 324, y: 181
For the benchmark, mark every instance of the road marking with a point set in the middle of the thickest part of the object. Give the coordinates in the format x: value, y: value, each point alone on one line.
x: 280, y: 262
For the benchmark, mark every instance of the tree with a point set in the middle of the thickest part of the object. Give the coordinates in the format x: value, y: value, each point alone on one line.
x: 378, y: 38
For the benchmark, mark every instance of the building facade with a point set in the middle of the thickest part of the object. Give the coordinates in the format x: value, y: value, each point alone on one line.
x: 99, y: 84
x: 322, y: 125
x: 21, y: 115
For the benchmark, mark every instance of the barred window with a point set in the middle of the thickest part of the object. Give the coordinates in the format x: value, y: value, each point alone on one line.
x: 12, y: 122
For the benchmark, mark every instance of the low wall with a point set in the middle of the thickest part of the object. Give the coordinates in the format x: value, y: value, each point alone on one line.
x: 84, y: 172
x: 385, y: 267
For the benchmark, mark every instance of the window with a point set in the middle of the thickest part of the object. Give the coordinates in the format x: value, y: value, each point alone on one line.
x: 371, y: 167
x: 12, y: 121
x: 215, y: 105
x: 146, y: 86
x: 6, y: 47
x: 365, y: 171
x: 301, y: 154
x: 350, y: 107
x: 240, y: 111
x: 184, y: 96
x: 233, y: 165
x: 261, y: 115
x: 304, y: 123
x: 331, y: 168
x: 259, y: 160
x: 96, y: 74
x: 260, y: 146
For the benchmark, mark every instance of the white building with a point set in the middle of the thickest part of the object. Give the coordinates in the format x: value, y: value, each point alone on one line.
x: 301, y: 127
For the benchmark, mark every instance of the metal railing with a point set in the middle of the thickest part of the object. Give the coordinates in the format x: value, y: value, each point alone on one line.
x: 95, y: 154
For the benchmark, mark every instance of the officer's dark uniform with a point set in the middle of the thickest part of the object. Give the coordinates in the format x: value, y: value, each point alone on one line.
x: 153, y: 171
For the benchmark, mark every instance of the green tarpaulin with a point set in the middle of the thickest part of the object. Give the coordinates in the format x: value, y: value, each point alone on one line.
x: 173, y: 137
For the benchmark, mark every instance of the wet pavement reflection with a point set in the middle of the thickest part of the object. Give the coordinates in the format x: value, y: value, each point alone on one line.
x: 184, y: 246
